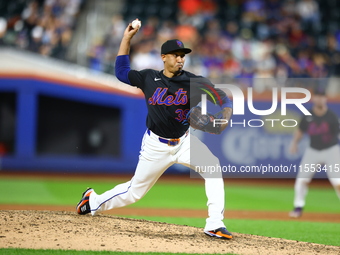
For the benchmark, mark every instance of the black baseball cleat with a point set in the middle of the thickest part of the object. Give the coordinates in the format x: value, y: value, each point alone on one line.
x: 222, y: 233
x: 83, y: 207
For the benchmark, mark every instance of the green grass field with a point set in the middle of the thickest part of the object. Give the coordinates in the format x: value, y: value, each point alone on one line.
x: 49, y: 191
x: 166, y: 195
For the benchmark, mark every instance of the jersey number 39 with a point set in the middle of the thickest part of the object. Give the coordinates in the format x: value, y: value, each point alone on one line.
x: 181, y: 114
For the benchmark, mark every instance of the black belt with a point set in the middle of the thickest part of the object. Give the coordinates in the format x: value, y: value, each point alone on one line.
x: 170, y: 142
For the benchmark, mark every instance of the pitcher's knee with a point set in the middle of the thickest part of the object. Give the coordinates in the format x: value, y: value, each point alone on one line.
x: 136, y: 194
x: 137, y: 197
x: 131, y: 198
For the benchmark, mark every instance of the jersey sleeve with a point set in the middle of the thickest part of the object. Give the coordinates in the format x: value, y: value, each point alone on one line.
x: 128, y: 76
x: 137, y: 78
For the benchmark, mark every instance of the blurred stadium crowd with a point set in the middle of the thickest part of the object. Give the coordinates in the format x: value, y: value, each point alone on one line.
x: 42, y: 26
x: 231, y: 39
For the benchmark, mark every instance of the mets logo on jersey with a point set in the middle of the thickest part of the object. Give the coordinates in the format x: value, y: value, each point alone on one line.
x: 159, y: 98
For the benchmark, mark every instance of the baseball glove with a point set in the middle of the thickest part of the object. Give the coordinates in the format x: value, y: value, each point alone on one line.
x: 203, y: 122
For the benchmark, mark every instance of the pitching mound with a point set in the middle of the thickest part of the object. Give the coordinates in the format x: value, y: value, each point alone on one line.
x: 67, y: 230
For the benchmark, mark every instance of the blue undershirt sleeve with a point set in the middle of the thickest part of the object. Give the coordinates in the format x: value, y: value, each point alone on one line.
x: 227, y: 103
x: 122, y: 68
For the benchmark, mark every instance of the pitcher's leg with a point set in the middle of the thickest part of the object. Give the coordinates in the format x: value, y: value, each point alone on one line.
x: 147, y: 173
x: 214, y: 189
x: 152, y: 164
x: 197, y: 156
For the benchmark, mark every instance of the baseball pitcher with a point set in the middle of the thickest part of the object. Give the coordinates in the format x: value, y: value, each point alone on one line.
x: 167, y: 139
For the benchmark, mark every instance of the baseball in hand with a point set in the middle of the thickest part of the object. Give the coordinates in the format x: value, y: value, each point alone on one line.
x: 136, y: 24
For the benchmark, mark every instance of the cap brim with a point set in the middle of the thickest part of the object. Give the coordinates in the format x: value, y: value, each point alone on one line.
x: 185, y: 50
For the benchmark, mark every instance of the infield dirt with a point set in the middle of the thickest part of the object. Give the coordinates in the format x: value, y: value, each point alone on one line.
x: 67, y: 230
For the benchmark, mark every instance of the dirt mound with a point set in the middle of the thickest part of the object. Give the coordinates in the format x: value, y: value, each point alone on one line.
x: 67, y: 230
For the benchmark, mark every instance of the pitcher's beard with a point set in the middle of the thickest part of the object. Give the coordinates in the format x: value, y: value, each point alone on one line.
x: 178, y: 72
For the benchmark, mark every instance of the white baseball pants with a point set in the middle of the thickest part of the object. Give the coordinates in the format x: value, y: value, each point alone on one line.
x: 330, y: 157
x: 155, y: 157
